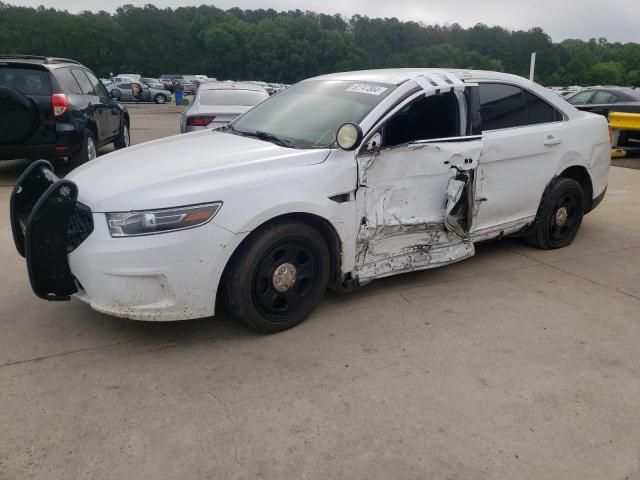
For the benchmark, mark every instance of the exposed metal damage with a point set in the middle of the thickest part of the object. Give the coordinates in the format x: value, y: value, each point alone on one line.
x: 405, y: 226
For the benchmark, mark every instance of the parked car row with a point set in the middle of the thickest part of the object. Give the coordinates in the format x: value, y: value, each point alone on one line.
x: 602, y: 100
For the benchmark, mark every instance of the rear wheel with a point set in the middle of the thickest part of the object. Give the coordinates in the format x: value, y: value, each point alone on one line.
x: 124, y: 137
x: 559, y: 215
x: 160, y: 98
x: 88, y: 150
x: 279, y: 277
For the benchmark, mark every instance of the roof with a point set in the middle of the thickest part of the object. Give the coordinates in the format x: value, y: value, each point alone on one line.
x: 31, y: 59
x: 397, y: 76
x: 231, y: 86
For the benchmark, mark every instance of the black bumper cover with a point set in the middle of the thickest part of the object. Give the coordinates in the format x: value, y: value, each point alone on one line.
x: 47, y: 223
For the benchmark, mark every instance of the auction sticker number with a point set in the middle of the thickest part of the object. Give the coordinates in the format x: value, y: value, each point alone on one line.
x: 367, y: 89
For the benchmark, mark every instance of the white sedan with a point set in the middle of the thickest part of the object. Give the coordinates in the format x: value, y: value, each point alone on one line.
x: 334, y: 182
x: 216, y: 104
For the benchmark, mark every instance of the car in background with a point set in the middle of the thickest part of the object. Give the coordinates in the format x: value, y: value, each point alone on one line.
x: 56, y: 108
x: 125, y: 92
x: 186, y: 86
x: 266, y: 86
x: 204, y: 78
x: 216, y: 104
x: 134, y: 76
x: 602, y: 100
x: 153, y: 83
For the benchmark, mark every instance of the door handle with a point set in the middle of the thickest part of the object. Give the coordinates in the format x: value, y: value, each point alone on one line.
x: 552, y: 140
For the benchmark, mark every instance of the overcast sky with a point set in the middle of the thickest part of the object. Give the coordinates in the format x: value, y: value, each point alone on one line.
x: 616, y: 20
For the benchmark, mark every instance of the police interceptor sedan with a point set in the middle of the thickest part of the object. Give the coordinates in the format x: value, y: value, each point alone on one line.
x: 334, y: 182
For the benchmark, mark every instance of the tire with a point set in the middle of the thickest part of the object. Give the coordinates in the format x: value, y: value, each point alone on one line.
x: 263, y: 290
x: 160, y: 99
x: 559, y: 215
x: 124, y: 137
x: 88, y: 150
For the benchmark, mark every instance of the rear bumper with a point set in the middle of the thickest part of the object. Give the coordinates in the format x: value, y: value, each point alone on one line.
x: 68, y: 142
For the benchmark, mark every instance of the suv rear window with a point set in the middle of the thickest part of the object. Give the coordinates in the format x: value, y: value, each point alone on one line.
x: 26, y: 81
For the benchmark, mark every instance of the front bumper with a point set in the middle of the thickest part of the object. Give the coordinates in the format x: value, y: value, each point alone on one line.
x: 168, y: 276
x: 163, y: 277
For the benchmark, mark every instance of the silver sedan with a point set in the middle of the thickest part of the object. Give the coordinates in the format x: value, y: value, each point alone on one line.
x: 216, y: 104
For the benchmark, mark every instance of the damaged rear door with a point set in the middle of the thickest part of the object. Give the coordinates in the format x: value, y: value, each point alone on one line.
x: 415, y: 200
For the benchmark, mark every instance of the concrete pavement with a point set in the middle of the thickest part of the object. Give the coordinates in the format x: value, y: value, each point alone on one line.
x: 517, y: 363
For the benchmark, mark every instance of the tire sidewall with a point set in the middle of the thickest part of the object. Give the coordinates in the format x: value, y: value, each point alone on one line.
x: 82, y: 156
x: 558, y: 189
x: 160, y: 99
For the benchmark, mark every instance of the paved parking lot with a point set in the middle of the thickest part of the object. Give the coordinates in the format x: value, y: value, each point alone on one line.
x: 516, y: 364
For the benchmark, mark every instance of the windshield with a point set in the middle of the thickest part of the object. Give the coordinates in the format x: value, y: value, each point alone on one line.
x: 247, y: 98
x: 308, y: 114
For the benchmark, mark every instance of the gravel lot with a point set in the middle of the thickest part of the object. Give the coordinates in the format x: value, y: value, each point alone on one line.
x: 515, y: 364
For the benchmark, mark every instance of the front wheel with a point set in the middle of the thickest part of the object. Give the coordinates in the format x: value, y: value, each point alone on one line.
x: 160, y: 99
x: 559, y: 215
x: 278, y: 277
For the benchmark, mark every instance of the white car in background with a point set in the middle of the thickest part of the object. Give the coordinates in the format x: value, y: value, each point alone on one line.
x: 335, y: 182
x: 216, y: 104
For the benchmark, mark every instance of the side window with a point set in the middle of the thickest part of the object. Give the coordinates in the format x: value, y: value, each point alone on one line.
x: 124, y: 86
x: 83, y: 81
x: 67, y: 81
x: 539, y: 111
x: 603, y: 97
x: 502, y: 106
x: 98, y: 87
x: 581, y: 98
x: 436, y: 116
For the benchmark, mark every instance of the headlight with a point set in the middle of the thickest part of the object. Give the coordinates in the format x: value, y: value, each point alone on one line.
x: 148, y: 222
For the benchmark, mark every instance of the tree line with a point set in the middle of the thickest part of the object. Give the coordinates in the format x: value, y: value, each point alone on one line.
x: 290, y: 46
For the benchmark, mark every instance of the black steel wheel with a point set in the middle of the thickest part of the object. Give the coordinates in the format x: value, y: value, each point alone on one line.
x: 278, y: 277
x: 559, y: 215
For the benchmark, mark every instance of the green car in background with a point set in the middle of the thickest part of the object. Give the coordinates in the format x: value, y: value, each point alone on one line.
x: 138, y: 92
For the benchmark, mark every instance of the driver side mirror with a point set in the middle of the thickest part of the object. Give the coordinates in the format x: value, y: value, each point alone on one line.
x: 115, y: 93
x: 349, y: 136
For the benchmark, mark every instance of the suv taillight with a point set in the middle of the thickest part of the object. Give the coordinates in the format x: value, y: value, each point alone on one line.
x: 201, y: 121
x: 59, y: 103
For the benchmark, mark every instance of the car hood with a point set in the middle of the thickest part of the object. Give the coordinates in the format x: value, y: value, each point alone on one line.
x: 182, y: 170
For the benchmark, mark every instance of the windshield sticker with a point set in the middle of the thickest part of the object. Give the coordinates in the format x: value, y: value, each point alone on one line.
x: 367, y: 89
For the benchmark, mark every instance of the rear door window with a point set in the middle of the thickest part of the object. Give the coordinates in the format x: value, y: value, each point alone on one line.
x: 539, y: 111
x: 85, y: 85
x: 67, y: 81
x: 98, y: 87
x: 502, y: 106
x: 26, y: 81
x: 508, y: 106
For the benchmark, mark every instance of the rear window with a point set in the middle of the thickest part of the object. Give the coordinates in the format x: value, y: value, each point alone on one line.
x: 26, y: 81
x: 247, y: 98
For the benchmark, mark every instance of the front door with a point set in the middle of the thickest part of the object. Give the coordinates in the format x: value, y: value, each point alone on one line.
x: 415, y: 190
